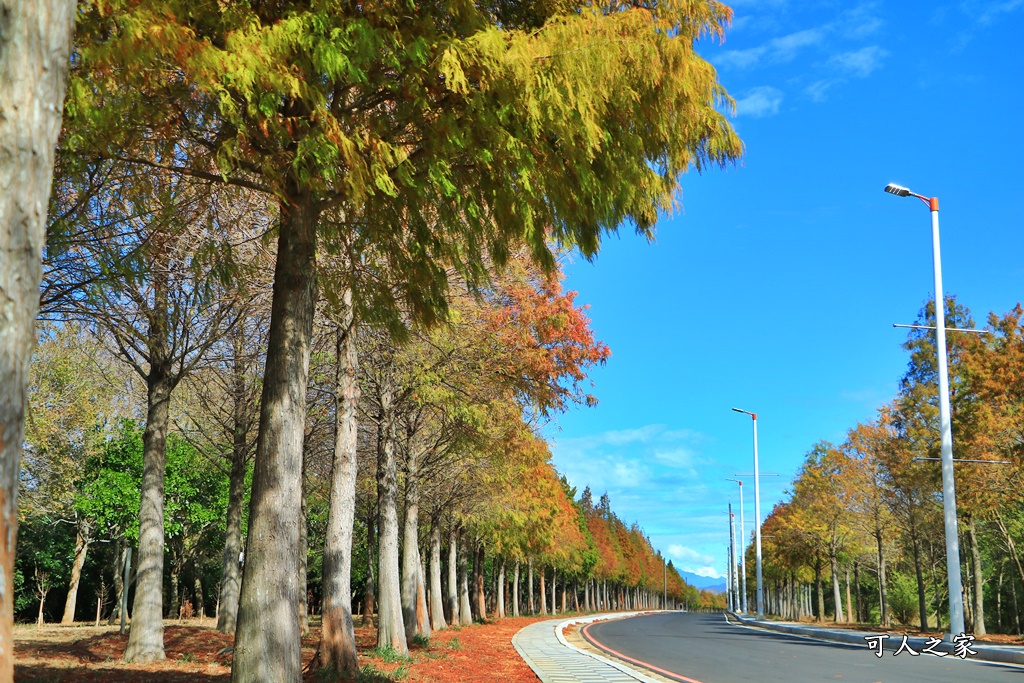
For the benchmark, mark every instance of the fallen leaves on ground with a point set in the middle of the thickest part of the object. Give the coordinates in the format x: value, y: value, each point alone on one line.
x: 197, y: 652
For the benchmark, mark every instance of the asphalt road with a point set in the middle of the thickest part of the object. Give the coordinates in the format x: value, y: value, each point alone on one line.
x: 703, y: 648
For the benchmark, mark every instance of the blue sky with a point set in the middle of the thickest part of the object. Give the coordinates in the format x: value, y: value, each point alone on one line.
x: 775, y: 286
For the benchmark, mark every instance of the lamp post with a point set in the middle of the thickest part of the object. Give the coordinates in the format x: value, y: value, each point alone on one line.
x: 743, y: 551
x: 735, y: 585
x: 728, y: 574
x: 956, y: 602
x: 757, y: 520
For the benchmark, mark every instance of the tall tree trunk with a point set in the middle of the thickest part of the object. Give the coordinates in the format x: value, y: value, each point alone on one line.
x: 529, y: 583
x: 197, y: 587
x: 465, y: 609
x: 554, y: 592
x: 478, y: 581
x: 979, y: 579
x: 390, y: 623
x: 82, y: 540
x: 422, y: 615
x: 999, y: 601
x: 860, y: 596
x: 411, y: 544
x: 1016, y: 608
x: 543, y: 593
x: 231, y: 566
x: 883, y: 590
x: 820, y: 590
x: 837, y: 595
x: 501, y: 588
x: 146, y: 638
x: 369, y: 596
x: 437, y: 621
x: 174, y: 609
x: 515, y: 590
x: 35, y: 44
x: 303, y: 559
x: 267, y: 640
x: 119, y: 587
x: 849, y: 597
x: 453, y: 580
x: 922, y: 605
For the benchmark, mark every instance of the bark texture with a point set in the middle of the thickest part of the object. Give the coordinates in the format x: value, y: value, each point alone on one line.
x: 146, y: 637
x: 437, y: 621
x: 35, y: 42
x: 338, y: 642
x: 390, y: 626
x: 979, y: 578
x: 231, y: 572
x: 267, y: 634
x: 453, y: 580
x: 411, y: 546
x: 82, y: 541
x: 465, y: 610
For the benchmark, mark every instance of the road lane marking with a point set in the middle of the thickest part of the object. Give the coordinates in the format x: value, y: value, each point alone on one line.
x: 670, y: 674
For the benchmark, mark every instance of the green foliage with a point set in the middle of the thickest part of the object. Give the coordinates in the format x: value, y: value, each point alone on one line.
x: 903, y: 598
x: 388, y: 654
x: 371, y: 674
x: 449, y: 138
x: 109, y: 494
x: 46, y: 550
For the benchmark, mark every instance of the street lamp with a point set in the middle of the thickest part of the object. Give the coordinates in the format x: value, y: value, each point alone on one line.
x: 956, y: 602
x: 743, y: 550
x: 757, y: 520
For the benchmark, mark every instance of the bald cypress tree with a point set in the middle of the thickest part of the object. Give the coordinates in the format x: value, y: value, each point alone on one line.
x: 443, y: 135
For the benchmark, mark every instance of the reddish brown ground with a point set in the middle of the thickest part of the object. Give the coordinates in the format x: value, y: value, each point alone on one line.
x: 480, y: 653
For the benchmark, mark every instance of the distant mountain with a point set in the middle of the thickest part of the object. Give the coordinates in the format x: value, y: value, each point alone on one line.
x: 703, y: 582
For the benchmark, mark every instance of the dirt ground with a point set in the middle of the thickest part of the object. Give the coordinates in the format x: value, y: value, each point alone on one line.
x: 480, y: 653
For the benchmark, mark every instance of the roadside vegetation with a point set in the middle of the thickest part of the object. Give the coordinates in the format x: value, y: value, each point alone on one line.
x: 861, y: 537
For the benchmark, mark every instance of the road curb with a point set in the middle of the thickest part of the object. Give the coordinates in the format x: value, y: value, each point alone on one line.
x: 989, y: 653
x: 558, y: 626
x: 629, y: 671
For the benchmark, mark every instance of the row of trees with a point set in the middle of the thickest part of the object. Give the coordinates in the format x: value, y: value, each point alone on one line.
x: 871, y: 507
x: 379, y: 158
x: 470, y: 473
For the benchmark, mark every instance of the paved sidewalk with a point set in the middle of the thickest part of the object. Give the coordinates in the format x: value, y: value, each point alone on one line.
x: 989, y: 652
x: 554, y: 660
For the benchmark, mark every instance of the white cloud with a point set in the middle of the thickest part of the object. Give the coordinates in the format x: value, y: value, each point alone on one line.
x: 740, y: 59
x: 990, y: 11
x: 709, y: 572
x: 817, y: 90
x: 860, y: 62
x: 689, y: 560
x: 786, y: 47
x: 775, y: 51
x: 677, y: 457
x: 629, y: 474
x: 761, y: 101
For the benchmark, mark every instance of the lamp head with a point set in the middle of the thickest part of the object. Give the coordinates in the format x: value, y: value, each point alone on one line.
x: 898, y: 190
